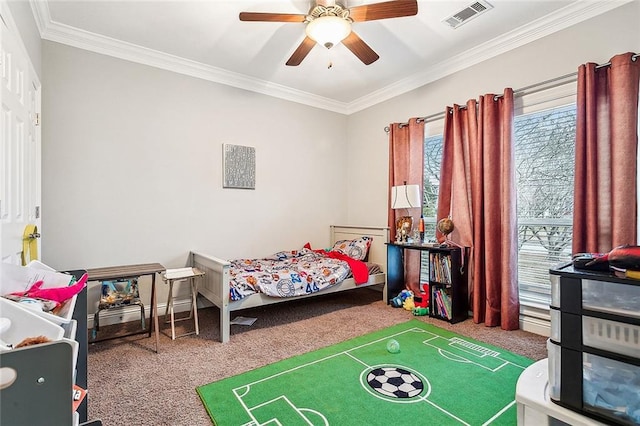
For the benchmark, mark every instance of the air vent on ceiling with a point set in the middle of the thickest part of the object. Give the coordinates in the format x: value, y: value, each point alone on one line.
x: 468, y: 13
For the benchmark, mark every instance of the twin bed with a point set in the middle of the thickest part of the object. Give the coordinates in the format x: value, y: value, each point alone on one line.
x: 216, y: 286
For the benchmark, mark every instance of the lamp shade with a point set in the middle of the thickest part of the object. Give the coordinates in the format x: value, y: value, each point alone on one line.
x: 405, y: 197
x: 328, y: 30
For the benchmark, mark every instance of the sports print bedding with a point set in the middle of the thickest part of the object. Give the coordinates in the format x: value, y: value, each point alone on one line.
x: 296, y: 272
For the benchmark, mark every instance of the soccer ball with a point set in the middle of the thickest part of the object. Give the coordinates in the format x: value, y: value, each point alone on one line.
x: 395, y: 382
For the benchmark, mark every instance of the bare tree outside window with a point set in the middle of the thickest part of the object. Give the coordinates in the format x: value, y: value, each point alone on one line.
x: 544, y: 155
x: 432, y: 161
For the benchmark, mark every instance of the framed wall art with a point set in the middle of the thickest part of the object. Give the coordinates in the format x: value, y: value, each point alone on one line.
x: 238, y: 166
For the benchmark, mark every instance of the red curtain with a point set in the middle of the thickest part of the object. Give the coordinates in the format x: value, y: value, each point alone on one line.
x: 477, y: 189
x: 605, y: 197
x: 406, y: 164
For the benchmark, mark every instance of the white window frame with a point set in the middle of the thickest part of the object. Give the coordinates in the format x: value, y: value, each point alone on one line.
x: 535, y: 317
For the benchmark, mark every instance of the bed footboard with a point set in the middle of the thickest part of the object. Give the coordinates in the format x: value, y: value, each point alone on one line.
x: 215, y: 286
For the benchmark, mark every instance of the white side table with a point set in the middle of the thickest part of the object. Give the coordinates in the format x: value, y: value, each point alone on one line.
x: 171, y: 276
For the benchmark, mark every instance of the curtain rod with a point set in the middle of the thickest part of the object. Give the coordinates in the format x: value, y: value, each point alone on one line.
x: 543, y: 85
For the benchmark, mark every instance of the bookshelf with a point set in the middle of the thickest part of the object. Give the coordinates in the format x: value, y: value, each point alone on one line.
x: 447, y: 280
x: 447, y: 286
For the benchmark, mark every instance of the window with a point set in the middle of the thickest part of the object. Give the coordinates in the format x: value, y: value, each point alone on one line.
x: 544, y: 156
x: 432, y: 161
x: 431, y: 185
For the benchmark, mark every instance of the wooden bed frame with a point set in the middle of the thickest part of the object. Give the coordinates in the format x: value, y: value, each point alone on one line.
x: 214, y: 286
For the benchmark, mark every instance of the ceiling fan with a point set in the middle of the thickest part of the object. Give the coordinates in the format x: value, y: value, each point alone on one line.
x: 329, y: 23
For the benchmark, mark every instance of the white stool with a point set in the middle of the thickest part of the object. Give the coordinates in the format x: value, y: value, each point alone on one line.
x: 182, y: 274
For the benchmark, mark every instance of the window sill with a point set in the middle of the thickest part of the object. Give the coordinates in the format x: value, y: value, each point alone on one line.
x: 535, y: 318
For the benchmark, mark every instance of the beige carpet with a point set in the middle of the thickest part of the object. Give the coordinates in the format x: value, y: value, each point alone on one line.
x: 129, y: 384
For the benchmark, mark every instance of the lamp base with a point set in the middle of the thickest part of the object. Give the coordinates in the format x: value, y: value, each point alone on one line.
x: 404, y: 226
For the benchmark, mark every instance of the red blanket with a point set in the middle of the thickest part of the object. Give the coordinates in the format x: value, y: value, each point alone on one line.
x: 359, y: 269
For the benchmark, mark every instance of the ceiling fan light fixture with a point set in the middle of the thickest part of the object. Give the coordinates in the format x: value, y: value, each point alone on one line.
x: 328, y: 30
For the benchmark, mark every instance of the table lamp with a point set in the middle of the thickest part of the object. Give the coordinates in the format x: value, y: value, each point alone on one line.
x: 405, y: 197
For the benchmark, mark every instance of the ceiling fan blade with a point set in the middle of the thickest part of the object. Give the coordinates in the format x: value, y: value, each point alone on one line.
x: 354, y: 43
x: 301, y: 52
x: 271, y: 17
x: 384, y: 10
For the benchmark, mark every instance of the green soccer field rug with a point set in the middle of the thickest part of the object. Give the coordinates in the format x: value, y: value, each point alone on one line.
x: 409, y: 374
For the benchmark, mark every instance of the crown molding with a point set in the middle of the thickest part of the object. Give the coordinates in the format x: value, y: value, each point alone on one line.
x: 41, y: 14
x: 570, y: 15
x: 564, y: 18
x: 86, y: 40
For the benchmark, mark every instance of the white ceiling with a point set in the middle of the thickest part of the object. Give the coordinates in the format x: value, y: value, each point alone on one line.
x: 206, y: 39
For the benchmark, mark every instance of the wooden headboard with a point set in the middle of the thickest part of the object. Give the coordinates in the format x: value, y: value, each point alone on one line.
x: 380, y: 235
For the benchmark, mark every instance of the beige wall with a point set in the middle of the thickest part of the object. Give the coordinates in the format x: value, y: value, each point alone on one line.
x: 595, y: 40
x: 132, y: 160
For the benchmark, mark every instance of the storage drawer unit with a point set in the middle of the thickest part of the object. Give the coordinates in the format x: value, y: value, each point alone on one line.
x: 594, y: 349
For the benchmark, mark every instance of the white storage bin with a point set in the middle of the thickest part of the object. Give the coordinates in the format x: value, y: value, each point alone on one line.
x: 25, y: 323
x: 555, y: 290
x: 553, y: 351
x: 615, y: 298
x: 16, y: 278
x: 75, y: 347
x: 611, y: 336
x: 611, y: 388
x: 555, y: 325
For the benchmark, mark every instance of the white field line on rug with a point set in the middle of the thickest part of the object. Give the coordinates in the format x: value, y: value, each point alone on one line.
x: 499, y: 413
x: 300, y: 411
x: 491, y: 359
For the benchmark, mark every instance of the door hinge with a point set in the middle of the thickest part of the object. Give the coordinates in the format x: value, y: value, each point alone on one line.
x: 36, y: 121
x: 37, y: 212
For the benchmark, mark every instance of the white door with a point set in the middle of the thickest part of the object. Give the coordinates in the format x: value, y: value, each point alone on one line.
x: 19, y: 143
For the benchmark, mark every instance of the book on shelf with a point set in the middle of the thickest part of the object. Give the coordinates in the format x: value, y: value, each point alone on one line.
x: 440, y: 268
x: 443, y: 301
x: 439, y: 305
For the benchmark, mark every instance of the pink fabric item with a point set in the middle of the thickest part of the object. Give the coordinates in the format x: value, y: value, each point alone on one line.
x: 57, y: 294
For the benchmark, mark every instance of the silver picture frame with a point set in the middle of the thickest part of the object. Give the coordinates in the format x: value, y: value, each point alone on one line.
x: 238, y: 166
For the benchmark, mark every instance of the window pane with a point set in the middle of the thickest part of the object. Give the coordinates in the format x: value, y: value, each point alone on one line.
x: 431, y: 184
x: 432, y: 160
x: 544, y: 155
